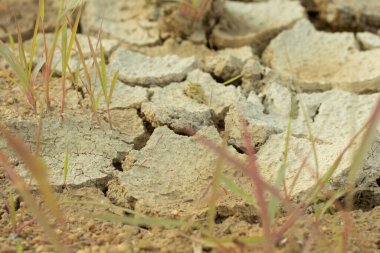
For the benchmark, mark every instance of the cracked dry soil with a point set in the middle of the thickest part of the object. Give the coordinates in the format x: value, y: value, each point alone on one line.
x: 172, y: 79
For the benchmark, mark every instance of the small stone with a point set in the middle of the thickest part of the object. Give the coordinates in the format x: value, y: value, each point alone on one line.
x: 277, y: 100
x: 252, y: 73
x: 260, y: 125
x: 368, y: 40
x: 40, y: 248
x: 123, y: 247
x: 10, y: 101
x: 58, y: 231
x: 228, y: 63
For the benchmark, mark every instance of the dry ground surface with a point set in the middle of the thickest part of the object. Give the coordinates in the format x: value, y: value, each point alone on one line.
x: 182, y: 72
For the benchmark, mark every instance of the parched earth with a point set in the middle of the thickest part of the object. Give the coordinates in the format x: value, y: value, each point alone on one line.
x: 261, y: 62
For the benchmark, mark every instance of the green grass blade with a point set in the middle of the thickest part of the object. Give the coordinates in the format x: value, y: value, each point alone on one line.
x: 94, y: 203
x: 194, y: 3
x: 12, y: 209
x: 251, y: 239
x: 330, y: 172
x: 324, y: 180
x: 65, y: 57
x: 31, y: 203
x: 214, y: 192
x: 72, y: 6
x: 235, y: 189
x: 15, y: 65
x: 66, y: 165
x: 33, y: 46
x: 74, y: 31
x: 140, y: 220
x: 40, y: 16
x: 243, y: 239
x: 362, y: 151
x: 103, y: 81
x: 330, y: 203
x: 21, y: 72
x: 61, y: 7
x: 97, y: 101
x: 112, y: 88
x: 42, y: 10
x: 311, y: 136
x: 36, y: 167
x: 21, y: 49
x: 11, y: 41
x: 19, y: 249
x: 228, y: 240
x: 103, y: 66
x: 233, y: 79
x: 280, y: 177
x: 87, y: 85
x: 50, y: 55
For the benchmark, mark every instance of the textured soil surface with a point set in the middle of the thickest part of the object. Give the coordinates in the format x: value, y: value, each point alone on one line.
x: 184, y: 71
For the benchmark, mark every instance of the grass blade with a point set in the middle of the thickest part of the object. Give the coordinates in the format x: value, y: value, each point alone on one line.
x: 103, y: 80
x: 214, y: 194
x: 42, y: 10
x: 234, y: 188
x: 21, y: 48
x: 103, y: 66
x: 21, y: 187
x: 11, y: 41
x: 112, y: 88
x: 362, y: 151
x: 36, y: 167
x: 142, y: 220
x: 12, y: 209
x: 280, y: 177
x: 34, y: 42
x: 311, y: 136
x: 74, y: 31
x: 228, y: 240
x: 233, y: 79
x: 259, y: 190
x: 64, y: 55
x: 21, y: 72
x: 19, y: 249
x: 72, y: 6
x: 330, y: 172
x: 66, y: 165
x: 15, y: 65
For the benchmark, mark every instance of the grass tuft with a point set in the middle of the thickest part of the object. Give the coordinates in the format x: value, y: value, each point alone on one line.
x: 18, y: 182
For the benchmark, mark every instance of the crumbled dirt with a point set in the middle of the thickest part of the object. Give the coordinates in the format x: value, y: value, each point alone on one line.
x: 86, y: 233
